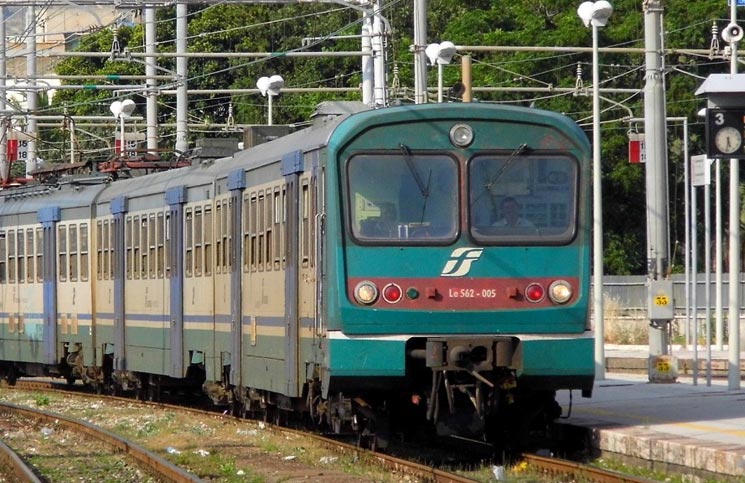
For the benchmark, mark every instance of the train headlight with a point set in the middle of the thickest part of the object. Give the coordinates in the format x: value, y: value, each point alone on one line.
x: 461, y: 135
x: 560, y: 292
x: 534, y: 292
x: 366, y: 292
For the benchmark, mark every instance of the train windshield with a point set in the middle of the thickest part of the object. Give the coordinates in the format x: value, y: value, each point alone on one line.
x: 519, y: 199
x: 403, y: 198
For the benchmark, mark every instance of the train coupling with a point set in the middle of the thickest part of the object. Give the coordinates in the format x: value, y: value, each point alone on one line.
x: 467, y: 354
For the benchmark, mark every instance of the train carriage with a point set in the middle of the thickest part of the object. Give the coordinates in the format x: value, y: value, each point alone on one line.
x: 45, y: 279
x: 426, y: 261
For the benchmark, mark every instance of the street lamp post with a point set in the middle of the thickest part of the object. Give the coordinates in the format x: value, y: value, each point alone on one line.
x: 440, y: 54
x: 121, y: 111
x: 596, y: 14
x: 270, y: 87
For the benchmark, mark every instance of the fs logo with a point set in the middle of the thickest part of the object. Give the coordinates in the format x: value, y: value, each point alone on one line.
x: 460, y: 262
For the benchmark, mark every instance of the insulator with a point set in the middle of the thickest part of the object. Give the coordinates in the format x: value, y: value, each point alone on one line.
x: 714, y: 48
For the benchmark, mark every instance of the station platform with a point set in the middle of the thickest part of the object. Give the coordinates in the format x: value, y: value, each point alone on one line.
x: 695, y: 428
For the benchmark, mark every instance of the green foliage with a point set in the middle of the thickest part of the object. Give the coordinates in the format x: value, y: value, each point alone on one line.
x: 511, y: 74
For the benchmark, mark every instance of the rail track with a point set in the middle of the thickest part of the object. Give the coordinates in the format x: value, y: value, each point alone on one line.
x: 157, y: 466
x: 167, y: 471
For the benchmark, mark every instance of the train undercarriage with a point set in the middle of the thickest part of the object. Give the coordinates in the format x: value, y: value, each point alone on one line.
x: 452, y: 388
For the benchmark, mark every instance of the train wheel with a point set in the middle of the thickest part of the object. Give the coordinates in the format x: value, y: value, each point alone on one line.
x: 268, y: 415
x: 153, y: 393
x: 12, y: 377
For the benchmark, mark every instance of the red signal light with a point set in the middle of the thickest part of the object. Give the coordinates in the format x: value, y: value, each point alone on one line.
x: 392, y: 293
x: 534, y: 292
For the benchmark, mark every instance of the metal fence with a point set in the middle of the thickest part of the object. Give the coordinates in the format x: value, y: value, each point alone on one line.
x: 631, y: 292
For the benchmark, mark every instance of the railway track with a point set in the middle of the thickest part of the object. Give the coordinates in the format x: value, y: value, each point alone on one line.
x: 155, y: 465
x: 413, y: 471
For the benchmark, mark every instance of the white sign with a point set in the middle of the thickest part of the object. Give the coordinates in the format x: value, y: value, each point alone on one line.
x: 700, y: 172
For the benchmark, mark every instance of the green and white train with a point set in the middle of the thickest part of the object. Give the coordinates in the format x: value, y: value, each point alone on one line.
x: 363, y: 272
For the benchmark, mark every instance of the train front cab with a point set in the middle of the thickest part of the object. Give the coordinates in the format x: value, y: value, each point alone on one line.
x: 443, y: 300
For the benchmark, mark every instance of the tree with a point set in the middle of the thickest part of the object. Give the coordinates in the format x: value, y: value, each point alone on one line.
x: 282, y: 28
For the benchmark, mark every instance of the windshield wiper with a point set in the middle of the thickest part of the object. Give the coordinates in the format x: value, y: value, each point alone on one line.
x: 424, y: 190
x: 517, y: 152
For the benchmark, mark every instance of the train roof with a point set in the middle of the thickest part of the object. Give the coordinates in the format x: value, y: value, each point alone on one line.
x: 325, y: 120
x: 74, y: 193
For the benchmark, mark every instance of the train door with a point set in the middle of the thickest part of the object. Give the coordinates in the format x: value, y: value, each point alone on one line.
x: 176, y: 268
x: 299, y: 276
x: 49, y: 217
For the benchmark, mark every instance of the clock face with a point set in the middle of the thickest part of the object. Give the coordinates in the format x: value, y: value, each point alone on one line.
x: 728, y: 140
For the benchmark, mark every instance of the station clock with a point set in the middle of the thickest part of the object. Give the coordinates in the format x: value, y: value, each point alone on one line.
x: 725, y: 133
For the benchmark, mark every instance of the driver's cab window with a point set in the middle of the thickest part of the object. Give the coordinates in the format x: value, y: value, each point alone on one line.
x: 402, y: 198
x: 522, y: 199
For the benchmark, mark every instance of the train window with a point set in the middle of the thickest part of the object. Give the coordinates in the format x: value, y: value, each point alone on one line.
x: 403, y: 198
x: 144, y: 246
x: 99, y: 250
x: 528, y: 199
x: 227, y: 227
x: 62, y: 252
x: 260, y: 233
x: 246, y: 234
x: 198, y: 232
x: 252, y: 231
x: 207, y: 241
x: 269, y: 229
x: 284, y: 226
x: 3, y: 258
x: 189, y: 245
x: 128, y: 236
x: 152, y: 244
x: 277, y: 220
x: 12, y: 256
x: 305, y: 223
x: 160, y: 230
x: 108, y: 255
x: 312, y: 221
x: 227, y: 241
x: 39, y: 255
x: 73, y: 252
x: 218, y: 236
x: 136, y: 254
x: 167, y: 243
x: 21, y: 256
x: 84, y: 252
x: 30, y: 255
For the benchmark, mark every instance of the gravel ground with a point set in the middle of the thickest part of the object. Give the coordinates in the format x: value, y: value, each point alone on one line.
x: 216, y: 449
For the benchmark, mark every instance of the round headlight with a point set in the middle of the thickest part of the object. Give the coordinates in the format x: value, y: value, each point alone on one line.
x: 560, y: 292
x: 461, y: 135
x: 366, y: 292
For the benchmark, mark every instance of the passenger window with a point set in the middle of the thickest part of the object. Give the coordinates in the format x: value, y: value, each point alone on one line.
x: 189, y: 243
x: 21, y: 257
x: 62, y: 252
x: 84, y: 252
x: 3, y: 258
x: 73, y: 252
x: 30, y: 255
x: 208, y: 241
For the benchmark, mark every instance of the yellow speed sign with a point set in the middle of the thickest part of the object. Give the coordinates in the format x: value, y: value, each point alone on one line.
x: 661, y: 300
